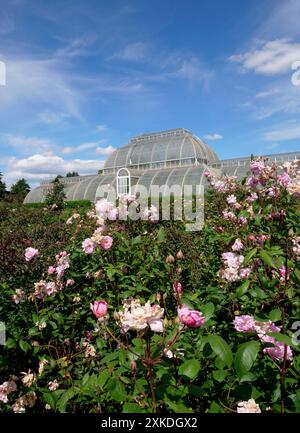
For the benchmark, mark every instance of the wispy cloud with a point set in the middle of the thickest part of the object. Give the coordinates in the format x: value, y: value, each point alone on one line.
x: 27, y: 144
x: 135, y: 51
x: 283, y: 134
x: 88, y: 146
x: 270, y: 58
x: 213, y: 137
x: 101, y: 127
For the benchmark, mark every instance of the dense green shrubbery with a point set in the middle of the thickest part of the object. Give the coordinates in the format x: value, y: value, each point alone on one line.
x: 75, y: 363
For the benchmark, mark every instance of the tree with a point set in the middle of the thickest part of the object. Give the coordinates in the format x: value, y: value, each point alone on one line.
x: 72, y: 174
x: 2, y: 187
x: 20, y: 188
x: 55, y: 197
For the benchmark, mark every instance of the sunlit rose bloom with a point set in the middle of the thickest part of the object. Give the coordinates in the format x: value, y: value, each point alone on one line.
x: 42, y: 364
x: 19, y: 296
x: 249, y: 406
x: 243, y: 220
x: 70, y: 282
x: 53, y: 385
x: 276, y: 352
x: 88, y: 246
x: 30, y: 253
x: 231, y: 199
x: 238, y: 245
x: 39, y: 289
x: 284, y: 179
x: 51, y: 270
x: 90, y: 351
x: 106, y: 242
x: 6, y: 388
x: 99, y: 309
x: 50, y: 288
x: 253, y: 196
x: 190, y: 318
x: 257, y: 167
x: 245, y: 323
x: 137, y: 317
x: 28, y: 378
x: 27, y: 400
x: 244, y: 273
x: 229, y: 216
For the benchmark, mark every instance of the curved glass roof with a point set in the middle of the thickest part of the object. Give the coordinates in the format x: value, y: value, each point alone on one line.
x: 148, y: 150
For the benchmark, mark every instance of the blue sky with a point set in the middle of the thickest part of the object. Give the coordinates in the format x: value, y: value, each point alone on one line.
x: 82, y: 77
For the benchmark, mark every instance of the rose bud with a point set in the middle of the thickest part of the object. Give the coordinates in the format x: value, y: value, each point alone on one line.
x: 170, y: 259
x: 179, y: 255
x: 99, y: 309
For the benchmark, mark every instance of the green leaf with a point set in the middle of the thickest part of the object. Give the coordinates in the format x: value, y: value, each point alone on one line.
x: 103, y: 378
x: 275, y: 315
x: 116, y: 390
x: 49, y: 398
x: 281, y: 337
x: 66, y: 396
x: 208, y: 310
x: 242, y: 289
x: 10, y: 343
x: 249, y: 256
x: 132, y: 408
x: 267, y: 259
x: 24, y: 345
x: 190, y: 368
x: 219, y: 375
x: 221, y: 348
x: 177, y: 407
x: 245, y: 357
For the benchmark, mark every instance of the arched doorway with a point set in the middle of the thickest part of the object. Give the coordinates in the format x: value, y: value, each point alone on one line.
x: 123, y: 182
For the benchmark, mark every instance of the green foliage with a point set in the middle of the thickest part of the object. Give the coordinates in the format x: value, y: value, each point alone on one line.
x: 98, y: 368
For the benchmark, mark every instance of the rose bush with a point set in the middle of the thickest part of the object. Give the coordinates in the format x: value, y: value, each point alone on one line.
x: 142, y: 316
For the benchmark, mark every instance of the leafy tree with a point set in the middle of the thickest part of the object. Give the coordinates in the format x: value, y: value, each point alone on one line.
x: 20, y: 188
x: 2, y: 187
x: 55, y: 197
x: 72, y: 174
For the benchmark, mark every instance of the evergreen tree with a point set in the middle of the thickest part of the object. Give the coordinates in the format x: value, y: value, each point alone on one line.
x: 2, y: 187
x: 20, y: 188
x: 55, y: 197
x: 72, y: 174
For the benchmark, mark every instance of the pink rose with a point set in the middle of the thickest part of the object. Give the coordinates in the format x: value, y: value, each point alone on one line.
x: 88, y: 246
x: 51, y: 270
x: 190, y: 318
x: 30, y: 253
x: 106, y: 242
x: 99, y: 308
x: 70, y: 282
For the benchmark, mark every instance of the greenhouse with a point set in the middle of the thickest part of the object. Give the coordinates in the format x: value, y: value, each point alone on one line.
x: 164, y: 160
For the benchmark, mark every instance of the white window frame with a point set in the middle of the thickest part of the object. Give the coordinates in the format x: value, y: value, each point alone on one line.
x: 123, y: 182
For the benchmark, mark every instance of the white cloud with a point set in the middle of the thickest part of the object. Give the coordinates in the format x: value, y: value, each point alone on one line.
x: 213, y: 137
x: 40, y: 167
x: 52, y: 117
x: 283, y: 134
x: 81, y: 147
x: 135, y: 51
x: 101, y: 128
x: 272, y: 146
x: 27, y: 144
x: 34, y: 81
x: 105, y: 151
x: 267, y: 93
x: 271, y: 58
